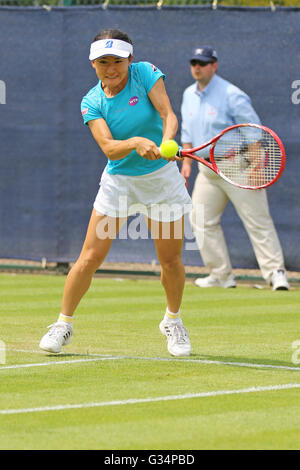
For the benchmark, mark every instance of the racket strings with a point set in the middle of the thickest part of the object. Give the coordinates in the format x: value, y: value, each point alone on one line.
x: 248, y: 156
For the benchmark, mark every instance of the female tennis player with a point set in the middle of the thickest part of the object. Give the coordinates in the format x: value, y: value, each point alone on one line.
x: 129, y: 115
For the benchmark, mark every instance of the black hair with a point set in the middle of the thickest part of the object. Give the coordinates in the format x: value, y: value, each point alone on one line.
x: 113, y: 34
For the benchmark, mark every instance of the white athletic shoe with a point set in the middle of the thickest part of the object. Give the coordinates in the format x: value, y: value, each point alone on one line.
x: 178, y: 341
x: 279, y: 280
x: 211, y: 281
x: 59, y: 335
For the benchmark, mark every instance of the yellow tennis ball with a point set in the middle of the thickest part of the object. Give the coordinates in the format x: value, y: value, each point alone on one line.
x: 169, y: 148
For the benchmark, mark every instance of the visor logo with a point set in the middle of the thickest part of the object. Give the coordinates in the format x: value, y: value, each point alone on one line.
x: 108, y: 44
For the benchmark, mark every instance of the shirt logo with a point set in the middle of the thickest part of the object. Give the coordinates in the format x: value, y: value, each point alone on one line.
x: 153, y: 68
x: 134, y: 100
x: 84, y: 111
x: 212, y: 111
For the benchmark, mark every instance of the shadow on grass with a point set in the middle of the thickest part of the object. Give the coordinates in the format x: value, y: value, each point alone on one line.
x: 222, y: 360
x: 251, y: 362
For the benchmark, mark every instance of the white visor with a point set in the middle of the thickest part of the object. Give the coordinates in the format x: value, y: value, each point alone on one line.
x: 114, y: 47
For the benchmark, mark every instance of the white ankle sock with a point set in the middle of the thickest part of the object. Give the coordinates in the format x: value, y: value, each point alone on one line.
x: 172, y: 317
x: 65, y: 319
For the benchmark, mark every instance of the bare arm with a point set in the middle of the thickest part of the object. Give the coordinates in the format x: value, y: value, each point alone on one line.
x: 256, y: 171
x: 186, y: 168
x: 118, y: 149
x: 161, y: 102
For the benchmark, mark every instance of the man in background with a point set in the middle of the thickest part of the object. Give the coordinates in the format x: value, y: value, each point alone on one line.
x: 210, y: 105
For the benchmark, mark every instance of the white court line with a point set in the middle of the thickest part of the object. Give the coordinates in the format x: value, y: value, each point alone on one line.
x: 220, y: 363
x: 134, y: 401
x: 55, y: 363
x: 42, y: 353
x: 160, y: 359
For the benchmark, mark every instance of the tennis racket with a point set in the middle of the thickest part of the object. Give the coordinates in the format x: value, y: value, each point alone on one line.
x: 249, y: 156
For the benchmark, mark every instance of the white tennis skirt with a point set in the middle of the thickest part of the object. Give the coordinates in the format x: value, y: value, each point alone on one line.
x: 160, y: 195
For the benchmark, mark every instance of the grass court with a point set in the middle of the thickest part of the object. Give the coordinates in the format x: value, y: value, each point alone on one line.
x: 116, y: 387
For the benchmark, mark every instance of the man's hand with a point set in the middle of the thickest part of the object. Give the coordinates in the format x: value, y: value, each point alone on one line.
x: 186, y: 168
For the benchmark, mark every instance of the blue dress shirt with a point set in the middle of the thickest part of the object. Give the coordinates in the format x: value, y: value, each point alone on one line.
x: 206, y: 113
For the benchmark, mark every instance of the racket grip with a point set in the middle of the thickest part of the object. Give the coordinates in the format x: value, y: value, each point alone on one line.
x: 178, y: 154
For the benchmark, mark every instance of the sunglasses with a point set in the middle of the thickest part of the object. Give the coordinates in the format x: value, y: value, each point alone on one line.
x: 195, y: 62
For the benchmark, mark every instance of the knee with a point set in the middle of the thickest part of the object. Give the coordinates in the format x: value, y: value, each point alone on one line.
x: 172, y: 263
x: 203, y: 220
x: 89, y: 261
x: 197, y: 219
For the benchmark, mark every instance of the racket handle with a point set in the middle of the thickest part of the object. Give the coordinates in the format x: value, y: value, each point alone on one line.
x: 178, y: 154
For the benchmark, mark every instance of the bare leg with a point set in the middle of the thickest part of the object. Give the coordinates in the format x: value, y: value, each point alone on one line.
x: 168, y: 239
x: 100, y: 234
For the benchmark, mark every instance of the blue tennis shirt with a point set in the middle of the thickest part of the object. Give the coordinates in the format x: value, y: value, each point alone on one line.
x: 129, y: 114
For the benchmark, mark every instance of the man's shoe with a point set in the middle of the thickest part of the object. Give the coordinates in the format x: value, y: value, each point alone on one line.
x: 279, y: 280
x: 59, y: 335
x: 211, y: 281
x: 177, y: 338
